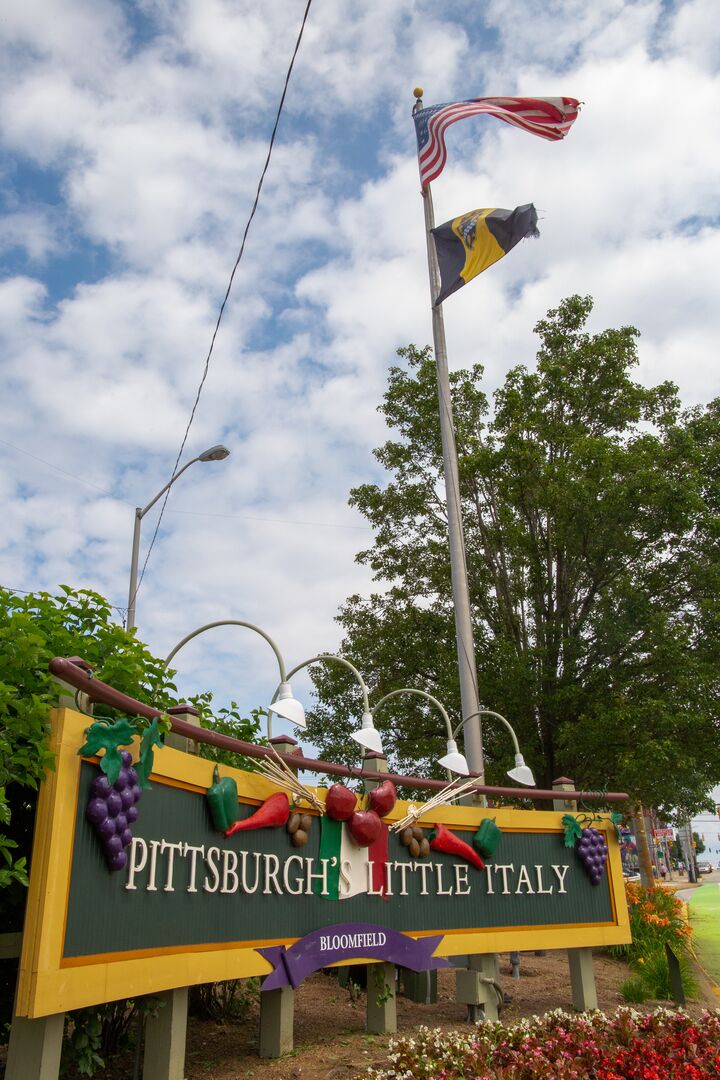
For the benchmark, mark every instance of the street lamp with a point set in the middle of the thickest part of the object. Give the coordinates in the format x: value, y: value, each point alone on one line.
x: 367, y: 735
x: 522, y: 773
x: 286, y: 705
x: 453, y: 760
x: 215, y: 453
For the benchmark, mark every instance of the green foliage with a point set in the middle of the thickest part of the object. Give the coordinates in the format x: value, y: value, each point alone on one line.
x: 224, y: 1002
x: 651, y: 978
x: 229, y: 721
x: 34, y: 628
x: 384, y: 992
x: 656, y: 920
x: 591, y: 507
x: 93, y: 1036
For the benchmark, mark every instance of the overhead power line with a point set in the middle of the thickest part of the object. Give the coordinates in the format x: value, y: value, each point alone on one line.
x: 229, y: 287
x: 188, y: 513
x: 64, y: 472
x: 29, y: 592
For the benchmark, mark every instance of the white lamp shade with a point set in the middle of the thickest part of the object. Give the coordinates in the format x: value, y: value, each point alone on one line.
x: 368, y: 735
x: 522, y: 773
x: 454, y: 760
x: 287, y: 706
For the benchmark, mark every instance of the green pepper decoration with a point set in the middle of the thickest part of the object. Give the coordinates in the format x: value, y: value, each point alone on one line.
x: 222, y: 799
x: 487, y: 839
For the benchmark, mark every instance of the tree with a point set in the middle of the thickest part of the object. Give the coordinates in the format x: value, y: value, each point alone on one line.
x: 33, y: 629
x: 590, y: 511
x: 698, y: 843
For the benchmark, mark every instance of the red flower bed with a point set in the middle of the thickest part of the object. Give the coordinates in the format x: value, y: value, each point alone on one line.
x: 663, y: 1045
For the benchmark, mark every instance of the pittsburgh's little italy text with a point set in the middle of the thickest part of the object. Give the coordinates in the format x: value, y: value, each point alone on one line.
x: 167, y: 866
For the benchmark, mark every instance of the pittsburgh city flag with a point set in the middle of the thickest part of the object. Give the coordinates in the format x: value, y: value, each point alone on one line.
x: 467, y: 245
x: 550, y: 118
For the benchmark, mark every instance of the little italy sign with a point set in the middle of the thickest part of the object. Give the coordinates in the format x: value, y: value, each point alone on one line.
x: 161, y: 864
x: 282, y: 895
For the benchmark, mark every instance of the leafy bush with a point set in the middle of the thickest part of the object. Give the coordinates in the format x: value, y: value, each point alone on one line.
x: 94, y: 1035
x: 651, y: 980
x: 655, y: 921
x: 33, y: 629
x: 228, y: 721
x: 663, y: 1045
x: 224, y: 1001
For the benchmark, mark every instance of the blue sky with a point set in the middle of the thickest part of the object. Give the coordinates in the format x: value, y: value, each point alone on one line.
x: 132, y: 139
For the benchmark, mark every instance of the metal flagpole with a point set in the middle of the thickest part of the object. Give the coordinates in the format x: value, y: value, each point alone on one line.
x: 458, y: 564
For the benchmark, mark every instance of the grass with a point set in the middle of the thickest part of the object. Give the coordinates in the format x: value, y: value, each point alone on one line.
x: 705, y: 920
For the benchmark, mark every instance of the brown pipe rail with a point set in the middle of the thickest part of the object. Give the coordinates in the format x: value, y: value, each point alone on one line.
x: 78, y: 673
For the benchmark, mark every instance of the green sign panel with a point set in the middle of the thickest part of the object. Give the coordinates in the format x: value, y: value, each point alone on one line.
x: 187, y: 885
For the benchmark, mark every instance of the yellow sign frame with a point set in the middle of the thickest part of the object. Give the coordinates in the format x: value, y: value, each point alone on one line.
x: 48, y: 984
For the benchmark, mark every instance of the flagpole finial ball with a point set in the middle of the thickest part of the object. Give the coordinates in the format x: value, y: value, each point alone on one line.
x: 418, y: 92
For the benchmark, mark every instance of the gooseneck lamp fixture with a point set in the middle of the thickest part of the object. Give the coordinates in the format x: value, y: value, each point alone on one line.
x: 453, y: 760
x: 286, y: 705
x: 522, y: 773
x: 367, y: 735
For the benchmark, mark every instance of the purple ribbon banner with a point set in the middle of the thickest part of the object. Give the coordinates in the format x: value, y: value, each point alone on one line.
x: 348, y: 941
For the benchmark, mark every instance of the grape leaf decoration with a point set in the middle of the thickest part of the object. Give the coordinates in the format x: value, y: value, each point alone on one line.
x: 108, y: 737
x: 152, y: 736
x: 572, y: 829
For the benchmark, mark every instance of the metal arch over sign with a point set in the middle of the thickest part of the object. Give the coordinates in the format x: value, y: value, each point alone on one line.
x: 194, y: 906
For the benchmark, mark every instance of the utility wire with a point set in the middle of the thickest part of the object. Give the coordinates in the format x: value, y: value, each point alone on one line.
x: 64, y: 472
x: 190, y: 513
x: 229, y: 287
x: 29, y: 592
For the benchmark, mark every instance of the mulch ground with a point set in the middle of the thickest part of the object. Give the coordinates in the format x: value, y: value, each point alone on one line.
x: 330, y: 1038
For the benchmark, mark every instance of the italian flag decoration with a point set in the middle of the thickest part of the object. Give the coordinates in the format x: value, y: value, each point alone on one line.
x: 352, y: 870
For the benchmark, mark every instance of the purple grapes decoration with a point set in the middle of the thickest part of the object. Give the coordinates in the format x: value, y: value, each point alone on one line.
x: 112, y: 809
x: 589, y: 843
x: 592, y: 852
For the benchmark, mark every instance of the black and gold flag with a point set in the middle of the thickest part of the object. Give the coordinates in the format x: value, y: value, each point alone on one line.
x: 467, y: 245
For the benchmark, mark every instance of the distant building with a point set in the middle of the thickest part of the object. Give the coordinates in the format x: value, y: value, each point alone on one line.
x: 707, y: 826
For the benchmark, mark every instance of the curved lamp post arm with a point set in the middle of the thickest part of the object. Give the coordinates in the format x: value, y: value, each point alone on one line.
x: 453, y: 761
x: 231, y: 622
x: 292, y: 710
x: 140, y: 513
x: 423, y: 694
x: 497, y: 715
x: 340, y: 660
x: 314, y: 660
x: 522, y: 773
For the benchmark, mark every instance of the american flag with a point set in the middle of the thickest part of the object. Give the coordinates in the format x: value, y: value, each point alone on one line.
x: 550, y: 118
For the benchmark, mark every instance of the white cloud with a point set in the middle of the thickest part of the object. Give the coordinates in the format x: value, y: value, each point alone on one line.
x: 694, y: 32
x: 151, y: 125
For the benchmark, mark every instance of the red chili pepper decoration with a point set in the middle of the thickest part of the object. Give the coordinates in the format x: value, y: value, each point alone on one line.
x: 441, y: 839
x: 273, y: 812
